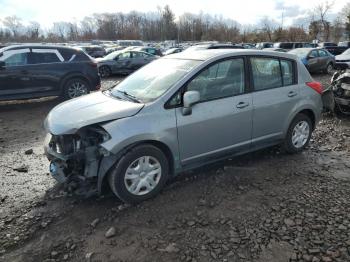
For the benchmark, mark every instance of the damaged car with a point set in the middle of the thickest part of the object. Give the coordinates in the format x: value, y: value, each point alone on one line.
x: 178, y: 113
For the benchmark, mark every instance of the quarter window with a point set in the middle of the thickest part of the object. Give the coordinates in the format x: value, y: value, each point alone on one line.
x: 266, y: 73
x: 220, y: 80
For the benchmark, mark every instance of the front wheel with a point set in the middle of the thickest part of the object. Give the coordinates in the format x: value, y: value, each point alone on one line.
x: 299, y: 134
x: 105, y: 71
x: 140, y: 174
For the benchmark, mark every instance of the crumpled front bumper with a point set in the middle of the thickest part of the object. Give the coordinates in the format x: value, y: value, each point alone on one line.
x: 84, y: 167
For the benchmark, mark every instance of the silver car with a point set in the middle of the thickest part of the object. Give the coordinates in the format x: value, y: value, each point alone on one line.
x: 180, y: 112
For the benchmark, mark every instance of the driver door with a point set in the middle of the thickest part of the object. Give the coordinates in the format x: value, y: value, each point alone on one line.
x: 221, y: 123
x: 14, y: 77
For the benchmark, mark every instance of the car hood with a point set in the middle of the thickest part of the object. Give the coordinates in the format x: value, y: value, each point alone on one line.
x: 342, y: 57
x: 102, y: 59
x: 69, y: 116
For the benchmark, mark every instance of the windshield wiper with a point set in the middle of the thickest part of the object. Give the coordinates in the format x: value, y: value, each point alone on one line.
x: 130, y: 96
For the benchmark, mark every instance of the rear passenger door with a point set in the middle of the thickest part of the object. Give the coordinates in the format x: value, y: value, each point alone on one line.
x: 275, y: 94
x: 313, y: 61
x: 46, y: 70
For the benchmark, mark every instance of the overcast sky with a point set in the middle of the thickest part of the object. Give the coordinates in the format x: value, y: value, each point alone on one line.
x: 245, y: 12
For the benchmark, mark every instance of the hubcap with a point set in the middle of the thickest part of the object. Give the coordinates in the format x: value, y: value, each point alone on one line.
x: 300, y: 134
x: 143, y: 175
x: 77, y: 89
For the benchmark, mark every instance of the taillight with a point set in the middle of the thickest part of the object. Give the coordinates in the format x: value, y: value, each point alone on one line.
x: 93, y: 63
x: 317, y: 86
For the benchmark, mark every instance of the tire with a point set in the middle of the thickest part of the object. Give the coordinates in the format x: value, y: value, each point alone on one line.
x: 105, y: 71
x: 329, y: 69
x: 75, y: 87
x: 293, y: 145
x: 122, y: 184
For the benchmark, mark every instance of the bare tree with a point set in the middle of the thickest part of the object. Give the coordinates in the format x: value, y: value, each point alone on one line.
x: 13, y: 23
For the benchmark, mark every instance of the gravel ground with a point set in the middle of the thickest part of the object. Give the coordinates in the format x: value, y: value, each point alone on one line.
x: 264, y: 206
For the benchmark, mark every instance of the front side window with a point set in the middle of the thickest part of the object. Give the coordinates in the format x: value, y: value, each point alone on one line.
x: 220, y: 80
x: 17, y: 59
x: 266, y: 73
x: 123, y: 56
x: 314, y: 53
x: 322, y: 53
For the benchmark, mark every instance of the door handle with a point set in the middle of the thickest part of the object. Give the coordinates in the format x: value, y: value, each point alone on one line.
x: 292, y: 93
x: 242, y: 105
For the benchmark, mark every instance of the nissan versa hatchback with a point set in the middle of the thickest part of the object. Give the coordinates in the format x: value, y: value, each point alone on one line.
x: 180, y: 112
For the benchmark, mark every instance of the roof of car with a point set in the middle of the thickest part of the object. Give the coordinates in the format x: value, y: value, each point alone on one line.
x: 42, y: 46
x: 203, y: 55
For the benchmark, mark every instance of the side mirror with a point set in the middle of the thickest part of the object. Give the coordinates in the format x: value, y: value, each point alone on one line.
x: 311, y: 57
x: 190, y: 98
x: 2, y: 65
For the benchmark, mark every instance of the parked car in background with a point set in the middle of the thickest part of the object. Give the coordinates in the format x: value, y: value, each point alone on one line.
x: 343, y: 60
x: 333, y: 48
x: 246, y: 45
x: 123, y: 62
x: 173, y: 51
x: 31, y: 71
x: 315, y: 59
x: 150, y: 50
x: 113, y: 49
x: 213, y: 46
x: 126, y: 43
x: 94, y: 50
x: 263, y: 45
x: 291, y: 45
x: 275, y: 49
x: 152, y: 125
x: 344, y: 44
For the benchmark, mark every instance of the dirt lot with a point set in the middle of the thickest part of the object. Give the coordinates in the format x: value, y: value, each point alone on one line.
x: 264, y: 206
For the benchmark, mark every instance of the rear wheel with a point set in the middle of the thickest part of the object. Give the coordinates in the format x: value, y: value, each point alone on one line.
x: 140, y: 174
x: 75, y: 87
x: 299, y: 134
x: 105, y: 71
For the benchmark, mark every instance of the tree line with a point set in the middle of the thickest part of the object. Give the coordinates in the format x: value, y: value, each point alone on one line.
x: 164, y: 25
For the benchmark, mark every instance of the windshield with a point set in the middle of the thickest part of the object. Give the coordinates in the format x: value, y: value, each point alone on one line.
x: 154, y: 79
x: 299, y: 52
x: 112, y: 55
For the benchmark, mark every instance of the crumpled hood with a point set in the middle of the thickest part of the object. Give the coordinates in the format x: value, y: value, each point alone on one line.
x: 69, y: 116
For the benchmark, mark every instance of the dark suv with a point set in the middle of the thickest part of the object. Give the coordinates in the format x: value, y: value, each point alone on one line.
x: 32, y: 71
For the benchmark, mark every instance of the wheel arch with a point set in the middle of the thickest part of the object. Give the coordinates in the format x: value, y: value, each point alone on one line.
x: 69, y: 77
x: 107, y: 163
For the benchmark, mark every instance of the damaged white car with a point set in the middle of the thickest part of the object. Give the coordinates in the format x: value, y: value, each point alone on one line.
x: 180, y: 112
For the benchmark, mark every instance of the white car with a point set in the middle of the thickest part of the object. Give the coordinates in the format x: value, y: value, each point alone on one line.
x: 343, y: 58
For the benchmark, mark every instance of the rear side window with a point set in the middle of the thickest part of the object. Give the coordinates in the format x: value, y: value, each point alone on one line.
x: 286, y: 45
x: 266, y: 73
x: 44, y: 58
x: 287, y: 72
